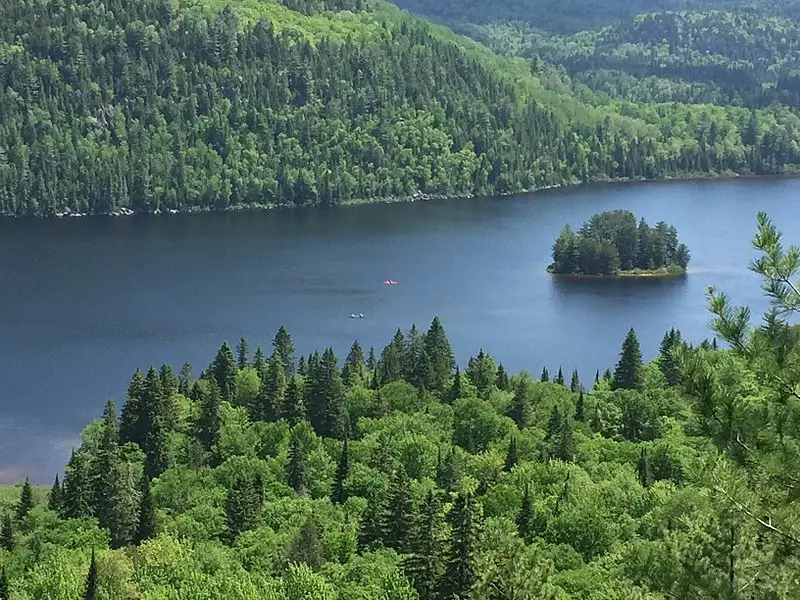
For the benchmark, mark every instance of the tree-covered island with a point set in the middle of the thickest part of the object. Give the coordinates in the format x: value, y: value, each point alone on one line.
x: 613, y: 244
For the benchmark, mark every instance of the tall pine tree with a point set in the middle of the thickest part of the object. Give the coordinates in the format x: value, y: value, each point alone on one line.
x: 296, y: 470
x: 501, y: 378
x: 461, y: 573
x: 146, y: 526
x: 326, y: 398
x: 629, y: 374
x: 643, y: 469
x: 25, y: 503
x: 525, y: 516
x: 223, y: 370
x: 399, y: 514
x: 7, y: 533
x: 424, y: 566
x: 294, y: 408
x: 575, y: 382
x: 338, y: 493
x: 242, y: 354
x: 668, y: 360
x: 545, y: 376
x: 438, y: 349
x: 90, y: 590
x: 519, y: 409
x: 511, y: 455
x: 282, y: 342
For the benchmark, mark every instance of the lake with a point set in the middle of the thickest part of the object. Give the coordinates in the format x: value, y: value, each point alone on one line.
x: 86, y: 301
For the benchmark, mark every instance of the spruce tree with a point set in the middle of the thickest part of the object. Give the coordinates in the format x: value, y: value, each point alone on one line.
x: 424, y: 566
x: 565, y: 448
x: 668, y: 361
x: 185, y: 380
x: 5, y: 594
x: 260, y: 363
x: 129, y: 430
x: 354, y: 371
x: 210, y: 420
x: 326, y: 399
x: 307, y: 545
x: 301, y: 365
x: 272, y: 397
x: 338, y: 493
x: 55, y: 498
x: 7, y: 533
x: 501, y: 378
x: 242, y: 354
x: 481, y: 373
x: 525, y: 516
x: 399, y: 514
x: 223, y: 370
x: 393, y: 364
x: 370, y: 532
x: 372, y: 361
x: 511, y: 455
x: 579, y: 415
x: 157, y: 457
x: 455, y: 389
x: 25, y: 503
x: 77, y: 488
x: 645, y: 475
x: 519, y: 409
x: 296, y: 469
x: 105, y: 466
x: 575, y: 382
x: 243, y: 505
x: 169, y: 382
x: 629, y: 374
x: 294, y: 409
x: 545, y: 376
x: 146, y: 526
x: 597, y: 376
x: 460, y: 574
x: 90, y: 591
x: 559, y: 377
x: 447, y: 473
x: 607, y: 375
x: 438, y: 349
x: 285, y: 347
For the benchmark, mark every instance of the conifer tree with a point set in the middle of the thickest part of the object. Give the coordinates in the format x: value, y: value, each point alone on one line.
x: 354, y: 371
x: 438, y: 350
x: 260, y: 363
x: 104, y: 467
x: 575, y: 382
x: 460, y: 574
x: 370, y: 532
x: 525, y: 516
x: 597, y: 376
x: 399, y: 514
x: 554, y: 425
x: 668, y: 361
x: 296, y: 469
x: 146, y: 526
x: 77, y: 488
x: 338, y: 493
x: 447, y: 472
x: 307, y: 545
x: 243, y: 506
x: 519, y: 409
x: 579, y: 408
x: 55, y: 498
x: 272, y: 397
x: 169, y: 382
x: 607, y: 375
x: 559, y: 377
x: 294, y: 409
x: 25, y: 503
x: 565, y: 448
x: 7, y: 533
x: 210, y: 420
x: 481, y: 373
x: 157, y: 457
x: 301, y: 365
x: 511, y: 455
x: 90, y: 591
x: 5, y: 594
x: 223, y: 370
x: 424, y: 565
x: 629, y: 374
x: 393, y: 364
x: 455, y: 389
x: 242, y: 354
x: 185, y: 380
x: 285, y: 346
x: 545, y: 376
x: 129, y: 423
x: 372, y: 361
x: 326, y: 399
x: 645, y: 475
x: 501, y: 378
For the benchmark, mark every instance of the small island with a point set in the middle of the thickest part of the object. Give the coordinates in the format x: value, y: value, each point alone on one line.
x: 613, y: 244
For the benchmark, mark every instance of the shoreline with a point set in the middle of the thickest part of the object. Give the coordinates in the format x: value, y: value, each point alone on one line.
x: 414, y: 197
x: 621, y: 275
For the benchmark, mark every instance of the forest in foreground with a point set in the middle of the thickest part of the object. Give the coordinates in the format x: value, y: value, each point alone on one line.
x: 155, y: 106
x: 398, y: 476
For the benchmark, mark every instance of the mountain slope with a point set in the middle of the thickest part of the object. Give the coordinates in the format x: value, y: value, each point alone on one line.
x: 149, y: 106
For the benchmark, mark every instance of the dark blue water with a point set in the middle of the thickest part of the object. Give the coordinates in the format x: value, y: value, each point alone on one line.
x: 84, y: 302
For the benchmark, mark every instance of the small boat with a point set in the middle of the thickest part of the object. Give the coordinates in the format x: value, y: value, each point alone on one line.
x: 389, y: 282
x: 357, y: 316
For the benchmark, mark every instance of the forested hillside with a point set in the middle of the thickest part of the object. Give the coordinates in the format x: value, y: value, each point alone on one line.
x: 718, y: 58
x: 152, y: 106
x: 397, y: 476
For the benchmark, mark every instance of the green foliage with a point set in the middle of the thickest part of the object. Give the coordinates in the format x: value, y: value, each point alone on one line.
x: 25, y: 503
x: 629, y: 373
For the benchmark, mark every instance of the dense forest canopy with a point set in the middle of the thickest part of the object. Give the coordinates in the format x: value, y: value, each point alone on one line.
x: 612, y: 242
x: 153, y: 106
x: 396, y: 475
